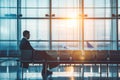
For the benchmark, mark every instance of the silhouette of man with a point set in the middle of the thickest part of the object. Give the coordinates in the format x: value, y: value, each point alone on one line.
x: 25, y: 45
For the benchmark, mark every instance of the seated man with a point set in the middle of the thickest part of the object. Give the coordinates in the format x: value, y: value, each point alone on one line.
x: 25, y: 45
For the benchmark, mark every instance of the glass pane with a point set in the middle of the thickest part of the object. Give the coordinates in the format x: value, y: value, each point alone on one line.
x: 108, y: 29
x: 95, y: 29
x: 8, y: 29
x: 89, y: 12
x: 66, y: 29
x: 99, y: 30
x: 39, y: 29
x: 118, y: 46
x: 99, y: 3
x: 8, y: 12
x: 108, y: 12
x: 97, y: 45
x: 66, y: 8
x: 66, y: 3
x: 99, y: 13
x: 35, y: 8
x: 108, y: 3
x: 89, y: 30
x: 88, y: 45
x: 8, y: 45
x: 8, y: 8
x: 8, y: 3
x: 119, y: 3
x: 34, y: 3
x: 66, y: 45
x: 8, y: 26
x: 40, y: 45
x: 119, y: 29
x: 35, y: 12
x: 119, y: 11
x: 101, y: 8
x: 103, y: 45
x: 88, y: 3
x: 68, y: 13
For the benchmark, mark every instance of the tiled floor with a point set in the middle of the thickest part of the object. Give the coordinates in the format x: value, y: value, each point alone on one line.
x: 10, y: 70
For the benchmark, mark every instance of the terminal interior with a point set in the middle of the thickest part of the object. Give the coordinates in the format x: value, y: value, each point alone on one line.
x: 83, y: 36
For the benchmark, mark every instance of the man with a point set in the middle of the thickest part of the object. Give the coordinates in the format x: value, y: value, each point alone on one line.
x: 25, y: 45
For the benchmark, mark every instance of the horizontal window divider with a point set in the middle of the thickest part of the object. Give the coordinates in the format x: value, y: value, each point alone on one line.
x: 56, y: 7
x: 8, y: 17
x: 76, y: 40
x: 69, y: 40
x: 69, y: 18
x: 102, y: 18
x: 33, y: 18
x: 34, y: 7
x: 8, y: 40
x: 58, y: 18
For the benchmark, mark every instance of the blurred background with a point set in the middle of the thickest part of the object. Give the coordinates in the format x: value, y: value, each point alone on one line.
x: 60, y: 25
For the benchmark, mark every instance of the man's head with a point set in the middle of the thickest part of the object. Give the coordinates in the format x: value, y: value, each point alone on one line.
x: 26, y: 34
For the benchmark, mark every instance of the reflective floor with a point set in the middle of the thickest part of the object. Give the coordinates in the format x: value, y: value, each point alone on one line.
x: 10, y: 70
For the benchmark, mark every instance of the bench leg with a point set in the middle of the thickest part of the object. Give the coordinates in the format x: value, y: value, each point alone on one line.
x: 18, y: 70
x: 44, y: 71
x: 22, y: 70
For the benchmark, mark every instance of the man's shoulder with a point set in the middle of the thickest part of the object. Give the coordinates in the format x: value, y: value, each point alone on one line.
x: 24, y: 39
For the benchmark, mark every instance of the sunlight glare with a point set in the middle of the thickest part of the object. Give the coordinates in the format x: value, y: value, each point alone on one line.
x: 70, y: 69
x: 72, y: 22
x: 73, y: 15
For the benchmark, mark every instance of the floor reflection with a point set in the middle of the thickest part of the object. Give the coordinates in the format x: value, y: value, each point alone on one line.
x: 9, y: 70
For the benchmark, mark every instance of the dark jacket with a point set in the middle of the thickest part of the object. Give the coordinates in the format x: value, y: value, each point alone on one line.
x: 25, y: 45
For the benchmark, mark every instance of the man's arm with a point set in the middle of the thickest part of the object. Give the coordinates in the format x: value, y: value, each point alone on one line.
x: 25, y: 45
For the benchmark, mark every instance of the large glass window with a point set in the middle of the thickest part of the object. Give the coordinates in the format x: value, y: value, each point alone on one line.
x: 38, y: 28
x: 66, y: 24
x: 34, y: 8
x: 99, y: 23
x: 58, y: 23
x: 8, y: 24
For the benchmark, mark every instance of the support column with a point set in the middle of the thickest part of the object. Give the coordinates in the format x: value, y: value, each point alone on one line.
x: 114, y: 25
x: 18, y: 34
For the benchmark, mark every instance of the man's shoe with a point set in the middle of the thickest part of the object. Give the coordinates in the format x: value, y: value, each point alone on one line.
x: 49, y: 73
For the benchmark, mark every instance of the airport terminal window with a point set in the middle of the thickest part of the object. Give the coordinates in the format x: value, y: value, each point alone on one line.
x: 119, y: 11
x: 34, y: 8
x: 61, y: 22
x: 119, y: 21
x: 8, y: 8
x: 119, y: 28
x: 97, y: 8
x: 61, y: 25
x: 102, y: 12
x: 65, y: 29
x: 38, y: 28
x: 35, y: 3
x: 65, y: 3
x: 8, y: 3
x: 119, y: 3
x: 8, y: 23
x: 8, y: 29
x: 100, y: 3
x: 66, y: 8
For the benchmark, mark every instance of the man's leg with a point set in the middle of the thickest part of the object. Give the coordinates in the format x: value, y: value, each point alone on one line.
x: 45, y: 72
x: 53, y: 65
x: 43, y: 55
